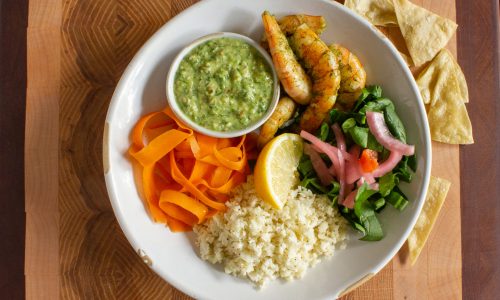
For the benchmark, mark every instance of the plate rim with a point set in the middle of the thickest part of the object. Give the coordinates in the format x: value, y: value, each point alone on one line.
x: 135, y: 61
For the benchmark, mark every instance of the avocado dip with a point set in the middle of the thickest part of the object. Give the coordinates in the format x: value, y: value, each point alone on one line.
x: 224, y: 85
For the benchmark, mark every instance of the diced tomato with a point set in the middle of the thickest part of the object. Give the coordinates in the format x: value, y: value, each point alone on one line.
x: 368, y: 160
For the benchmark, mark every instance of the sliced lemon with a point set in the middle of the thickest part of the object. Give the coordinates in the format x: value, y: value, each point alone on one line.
x: 275, y: 173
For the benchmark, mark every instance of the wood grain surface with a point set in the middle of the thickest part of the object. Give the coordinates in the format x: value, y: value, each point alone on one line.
x: 13, y: 21
x: 98, y: 39
x: 77, y: 51
x: 480, y: 163
x: 41, y: 151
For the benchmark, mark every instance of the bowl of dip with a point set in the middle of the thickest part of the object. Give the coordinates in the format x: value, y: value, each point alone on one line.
x: 223, y: 85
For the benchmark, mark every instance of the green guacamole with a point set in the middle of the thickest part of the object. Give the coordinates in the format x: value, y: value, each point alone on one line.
x: 224, y: 85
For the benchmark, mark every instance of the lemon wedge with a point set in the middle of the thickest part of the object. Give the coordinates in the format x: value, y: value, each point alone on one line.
x: 275, y: 173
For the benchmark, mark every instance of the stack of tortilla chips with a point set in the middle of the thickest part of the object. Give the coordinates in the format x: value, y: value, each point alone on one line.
x: 444, y: 90
x: 442, y: 86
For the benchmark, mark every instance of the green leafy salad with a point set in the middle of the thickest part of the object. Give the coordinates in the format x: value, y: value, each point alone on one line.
x: 358, y: 159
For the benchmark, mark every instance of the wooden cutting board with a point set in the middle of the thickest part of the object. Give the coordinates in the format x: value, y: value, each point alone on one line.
x: 77, y: 51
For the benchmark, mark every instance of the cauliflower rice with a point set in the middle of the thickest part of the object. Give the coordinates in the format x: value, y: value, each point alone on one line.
x: 254, y: 240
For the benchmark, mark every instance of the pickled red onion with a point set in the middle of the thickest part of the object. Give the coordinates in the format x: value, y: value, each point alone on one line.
x: 389, y: 164
x: 353, y: 171
x: 349, y: 200
x: 339, y: 137
x: 351, y: 197
x: 319, y: 165
x: 331, y: 169
x: 323, y: 147
x: 378, y: 128
x: 336, y: 157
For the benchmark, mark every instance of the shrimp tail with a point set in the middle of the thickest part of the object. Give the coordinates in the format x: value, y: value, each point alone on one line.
x: 290, y: 73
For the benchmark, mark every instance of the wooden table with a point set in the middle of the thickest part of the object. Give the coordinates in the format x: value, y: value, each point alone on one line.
x: 76, y: 51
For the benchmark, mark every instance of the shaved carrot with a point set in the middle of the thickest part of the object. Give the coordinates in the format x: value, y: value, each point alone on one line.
x: 178, y: 213
x: 191, y: 205
x: 159, y: 147
x: 150, y: 189
x: 177, y: 226
x: 186, y: 176
x: 191, y: 188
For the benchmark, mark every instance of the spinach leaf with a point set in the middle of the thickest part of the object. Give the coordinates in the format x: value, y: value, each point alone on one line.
x: 375, y: 91
x: 394, y: 123
x: 412, y: 162
x: 373, y: 229
x: 333, y: 193
x: 310, y: 180
x: 359, y: 227
x: 362, y: 99
x: 386, y: 106
x: 372, y: 143
x: 361, y: 203
x: 352, y: 219
x: 360, y: 135
x: 305, y: 167
x: 403, y: 170
x: 360, y: 118
x: 397, y: 200
x: 387, y: 183
x: 348, y: 124
x: 379, y: 204
x: 371, y: 100
x: 323, y: 132
x: 337, y: 116
x: 363, y: 137
x: 377, y: 105
x: 365, y: 211
x: 367, y: 94
x: 368, y: 202
x: 313, y: 184
x: 335, y: 189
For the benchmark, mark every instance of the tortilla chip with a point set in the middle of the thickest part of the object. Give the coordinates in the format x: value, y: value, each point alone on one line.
x: 443, y: 68
x: 436, y: 194
x: 425, y: 32
x: 407, y: 59
x: 377, y: 12
x: 462, y: 83
x: 448, y: 119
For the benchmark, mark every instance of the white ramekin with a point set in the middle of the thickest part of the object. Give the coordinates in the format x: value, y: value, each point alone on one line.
x: 197, y: 127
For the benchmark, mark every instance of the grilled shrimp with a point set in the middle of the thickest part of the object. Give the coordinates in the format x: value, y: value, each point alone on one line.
x: 283, y: 112
x: 293, y: 78
x: 289, y: 23
x: 352, y: 76
x: 323, y: 67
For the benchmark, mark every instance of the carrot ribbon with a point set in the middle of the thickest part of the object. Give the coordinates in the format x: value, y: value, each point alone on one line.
x: 186, y: 176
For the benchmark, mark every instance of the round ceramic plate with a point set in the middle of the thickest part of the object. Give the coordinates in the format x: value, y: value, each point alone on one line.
x: 142, y: 90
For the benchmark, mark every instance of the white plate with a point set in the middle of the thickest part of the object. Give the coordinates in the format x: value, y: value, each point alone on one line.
x: 142, y: 90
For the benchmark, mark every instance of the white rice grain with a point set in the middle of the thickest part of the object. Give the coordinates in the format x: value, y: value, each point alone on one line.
x: 255, y: 241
